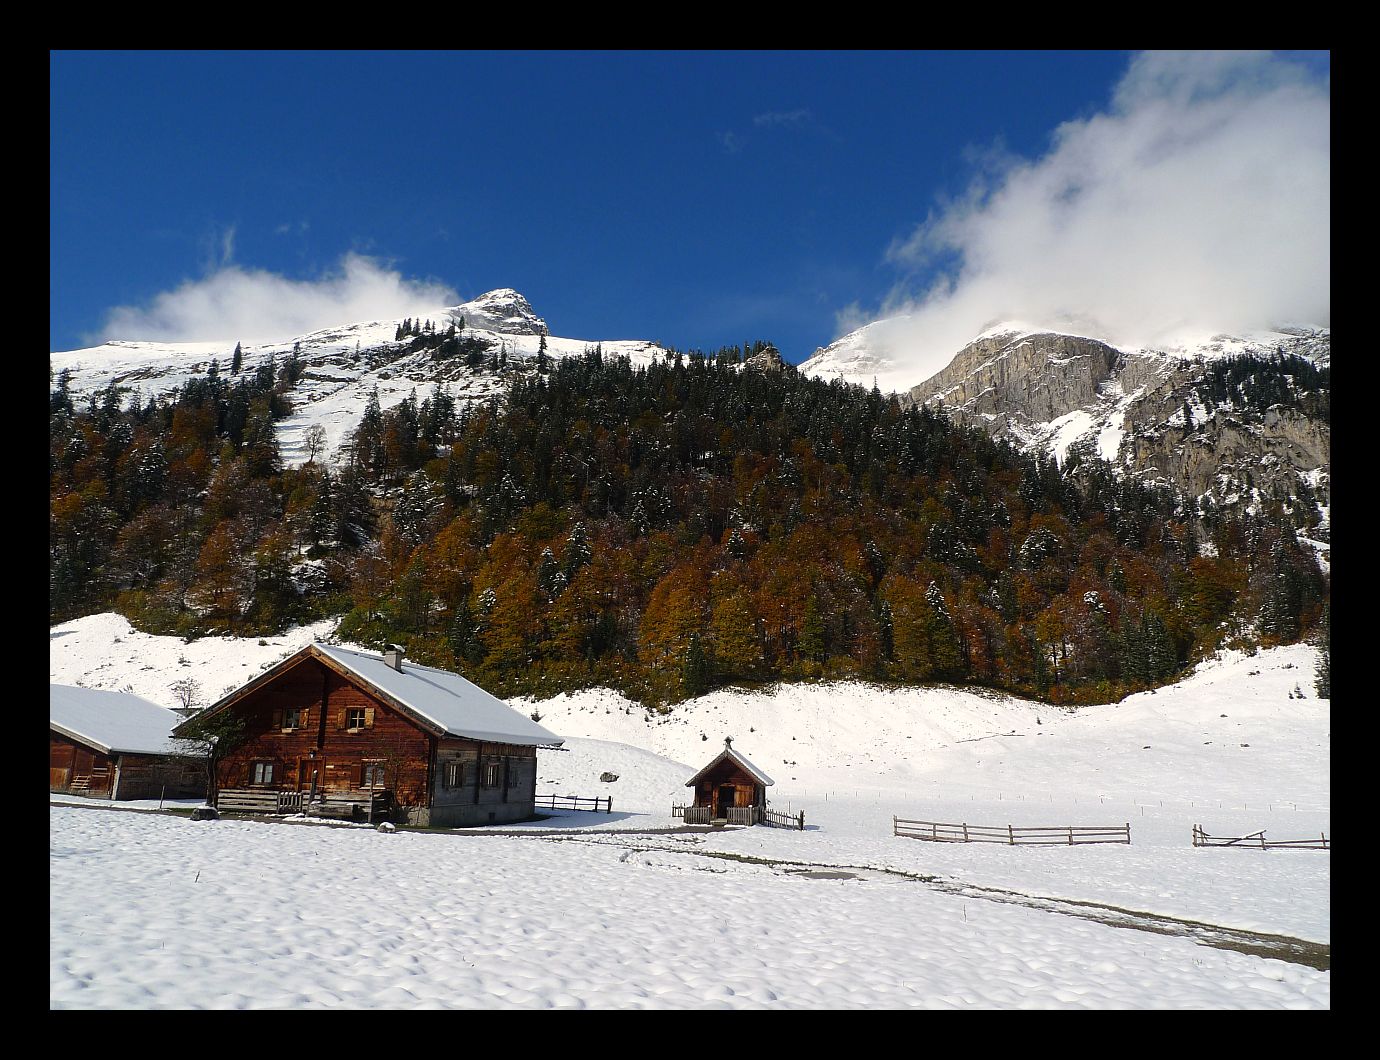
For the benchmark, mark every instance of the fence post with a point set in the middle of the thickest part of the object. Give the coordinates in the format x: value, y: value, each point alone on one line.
x: 934, y: 831
x: 1070, y: 835
x: 1128, y: 833
x: 1011, y: 835
x: 610, y: 805
x: 965, y: 831
x: 895, y: 827
x: 802, y: 820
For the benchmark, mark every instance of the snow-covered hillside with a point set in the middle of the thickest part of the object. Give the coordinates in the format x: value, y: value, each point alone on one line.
x: 1240, y: 745
x: 344, y: 364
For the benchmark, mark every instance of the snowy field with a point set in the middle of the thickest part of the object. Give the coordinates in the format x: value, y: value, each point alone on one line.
x: 616, y: 910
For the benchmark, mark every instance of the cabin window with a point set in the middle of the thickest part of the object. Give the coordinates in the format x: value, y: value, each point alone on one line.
x: 262, y: 773
x: 513, y: 773
x: 491, y: 774
x: 292, y: 718
x: 373, y: 775
x: 354, y: 719
x: 454, y: 775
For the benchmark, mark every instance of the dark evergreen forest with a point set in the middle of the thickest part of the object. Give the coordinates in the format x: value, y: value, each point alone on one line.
x: 661, y: 530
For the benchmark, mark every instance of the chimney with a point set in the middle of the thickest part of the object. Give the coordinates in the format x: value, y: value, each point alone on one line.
x: 393, y: 656
x: 728, y: 743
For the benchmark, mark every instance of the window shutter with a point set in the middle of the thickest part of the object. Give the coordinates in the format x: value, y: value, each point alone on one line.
x: 368, y: 717
x: 277, y: 719
x: 306, y: 718
x: 340, y: 719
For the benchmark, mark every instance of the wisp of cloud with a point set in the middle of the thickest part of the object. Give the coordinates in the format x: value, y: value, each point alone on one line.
x: 1197, y: 202
x: 233, y: 303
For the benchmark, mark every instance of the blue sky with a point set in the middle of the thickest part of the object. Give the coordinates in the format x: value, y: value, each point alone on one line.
x: 697, y: 199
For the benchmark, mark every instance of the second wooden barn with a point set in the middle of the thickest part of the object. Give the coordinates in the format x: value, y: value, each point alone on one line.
x: 113, y: 745
x: 730, y: 788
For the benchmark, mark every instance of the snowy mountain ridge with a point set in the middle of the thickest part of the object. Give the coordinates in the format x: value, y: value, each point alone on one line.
x: 344, y: 364
x: 1138, y: 407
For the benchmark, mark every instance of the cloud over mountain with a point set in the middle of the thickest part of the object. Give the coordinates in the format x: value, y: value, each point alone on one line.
x: 233, y: 303
x: 1197, y: 200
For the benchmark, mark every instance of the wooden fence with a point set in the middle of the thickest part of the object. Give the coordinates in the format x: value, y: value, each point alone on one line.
x: 777, y: 819
x: 740, y: 815
x: 1257, y: 841
x: 1053, y: 835
x: 575, y: 802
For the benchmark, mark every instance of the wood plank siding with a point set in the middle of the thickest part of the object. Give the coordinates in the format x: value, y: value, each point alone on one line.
x: 726, y: 781
x: 302, y: 725
x: 78, y: 769
x: 345, y: 735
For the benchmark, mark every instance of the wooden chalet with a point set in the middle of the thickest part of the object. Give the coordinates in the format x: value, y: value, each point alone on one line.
x: 339, y: 732
x: 115, y: 745
x: 730, y: 789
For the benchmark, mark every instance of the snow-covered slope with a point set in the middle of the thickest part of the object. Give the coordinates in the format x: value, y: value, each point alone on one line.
x: 554, y: 916
x: 345, y: 364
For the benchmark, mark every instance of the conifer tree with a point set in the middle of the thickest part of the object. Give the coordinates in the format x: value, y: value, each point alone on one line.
x: 1323, y: 676
x: 237, y: 361
x: 694, y: 670
x: 811, y: 642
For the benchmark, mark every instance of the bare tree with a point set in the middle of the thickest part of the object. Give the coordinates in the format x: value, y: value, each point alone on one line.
x: 188, y: 693
x: 315, y: 442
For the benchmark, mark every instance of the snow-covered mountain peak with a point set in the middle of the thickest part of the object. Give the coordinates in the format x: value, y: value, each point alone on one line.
x: 343, y: 365
x: 503, y: 310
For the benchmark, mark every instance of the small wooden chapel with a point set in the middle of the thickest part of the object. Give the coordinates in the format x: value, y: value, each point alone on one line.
x: 730, y: 789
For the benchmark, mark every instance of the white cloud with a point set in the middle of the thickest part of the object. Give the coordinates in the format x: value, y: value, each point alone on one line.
x: 234, y: 303
x: 1198, y: 201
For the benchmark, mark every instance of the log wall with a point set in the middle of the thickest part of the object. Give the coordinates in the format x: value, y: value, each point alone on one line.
x: 340, y: 754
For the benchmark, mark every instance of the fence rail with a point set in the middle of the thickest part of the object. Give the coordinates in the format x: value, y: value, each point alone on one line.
x: 1257, y: 841
x: 777, y: 819
x: 1010, y: 835
x: 740, y: 815
x: 596, y: 804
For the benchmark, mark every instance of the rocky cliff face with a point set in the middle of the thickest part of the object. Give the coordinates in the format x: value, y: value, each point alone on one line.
x: 768, y: 359
x: 1144, y: 412
x: 1022, y: 380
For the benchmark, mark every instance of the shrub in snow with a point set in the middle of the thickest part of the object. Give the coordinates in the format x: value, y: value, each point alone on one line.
x: 205, y: 813
x: 608, y: 778
x: 387, y: 827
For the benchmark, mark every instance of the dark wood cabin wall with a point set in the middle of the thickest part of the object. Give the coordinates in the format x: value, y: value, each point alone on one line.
x: 747, y: 789
x: 404, y: 748
x: 75, y: 759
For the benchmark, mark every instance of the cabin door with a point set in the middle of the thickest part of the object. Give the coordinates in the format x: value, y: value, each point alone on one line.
x: 725, y: 800
x: 305, y: 768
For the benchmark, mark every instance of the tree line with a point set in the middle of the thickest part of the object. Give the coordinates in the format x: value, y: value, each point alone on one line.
x: 662, y: 530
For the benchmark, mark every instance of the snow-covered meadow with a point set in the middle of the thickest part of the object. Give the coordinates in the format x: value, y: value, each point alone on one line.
x: 613, y: 910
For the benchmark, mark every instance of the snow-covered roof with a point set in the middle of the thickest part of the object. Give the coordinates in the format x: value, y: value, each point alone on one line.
x: 112, y: 722
x: 734, y: 756
x: 455, y: 705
